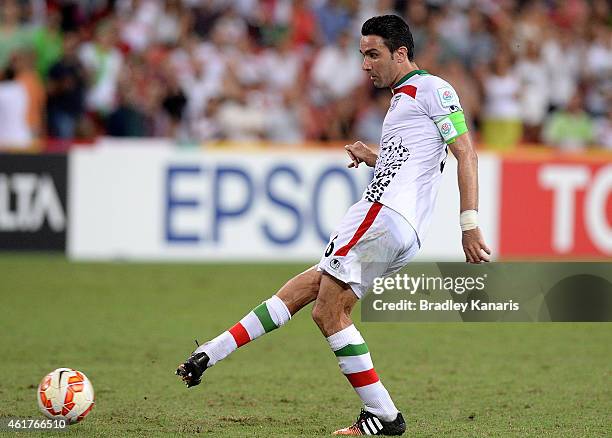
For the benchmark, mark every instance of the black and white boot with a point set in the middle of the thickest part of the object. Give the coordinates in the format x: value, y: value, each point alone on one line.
x: 192, y: 369
x: 369, y: 424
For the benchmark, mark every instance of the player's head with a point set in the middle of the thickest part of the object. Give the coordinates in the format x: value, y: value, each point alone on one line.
x: 386, y: 45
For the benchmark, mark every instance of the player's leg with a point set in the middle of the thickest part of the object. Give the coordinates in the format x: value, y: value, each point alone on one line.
x: 332, y: 314
x: 300, y: 290
x: 371, y: 241
x: 269, y: 315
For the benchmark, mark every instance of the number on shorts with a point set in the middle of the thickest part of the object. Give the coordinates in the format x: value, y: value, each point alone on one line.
x: 330, y: 247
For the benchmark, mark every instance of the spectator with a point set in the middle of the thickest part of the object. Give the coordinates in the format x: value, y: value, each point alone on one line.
x: 369, y: 122
x: 127, y: 120
x: 453, y: 29
x: 14, y: 129
x: 281, y: 58
x: 303, y: 26
x: 480, y: 44
x: 204, y: 14
x: 282, y: 66
x: 561, y: 48
x: 152, y: 22
x: 429, y: 57
x: 239, y: 120
x: 232, y: 27
x: 174, y: 103
x: 333, y: 103
x: 467, y: 88
x: 171, y: 23
x: 282, y: 73
x: 334, y: 58
x: 502, y: 114
x: 201, y: 81
x: 598, y: 69
x: 206, y: 127
x: 529, y: 24
x: 534, y: 96
x: 139, y: 25
x: 27, y: 76
x: 13, y: 35
x: 333, y: 20
x: 571, y: 128
x: 47, y: 42
x: 136, y: 85
x: 603, y: 130
x: 417, y: 14
x: 361, y: 11
x: 283, y: 124
x: 102, y: 62
x: 601, y: 12
x: 66, y: 92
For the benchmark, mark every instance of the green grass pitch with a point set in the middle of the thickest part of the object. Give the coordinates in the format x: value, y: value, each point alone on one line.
x: 127, y: 326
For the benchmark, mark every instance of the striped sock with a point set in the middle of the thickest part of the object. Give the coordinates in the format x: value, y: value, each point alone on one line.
x: 356, y: 364
x: 264, y: 318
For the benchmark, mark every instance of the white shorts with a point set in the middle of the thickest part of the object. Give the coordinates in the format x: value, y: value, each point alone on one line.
x: 371, y: 241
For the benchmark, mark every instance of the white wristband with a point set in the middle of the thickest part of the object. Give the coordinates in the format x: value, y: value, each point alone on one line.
x: 468, y: 220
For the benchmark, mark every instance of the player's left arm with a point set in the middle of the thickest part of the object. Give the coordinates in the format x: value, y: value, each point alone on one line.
x: 442, y: 105
x: 474, y: 246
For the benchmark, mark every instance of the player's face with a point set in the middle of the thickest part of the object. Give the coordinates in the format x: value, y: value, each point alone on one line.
x: 377, y: 61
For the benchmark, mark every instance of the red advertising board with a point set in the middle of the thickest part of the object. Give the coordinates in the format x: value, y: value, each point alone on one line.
x: 556, y: 208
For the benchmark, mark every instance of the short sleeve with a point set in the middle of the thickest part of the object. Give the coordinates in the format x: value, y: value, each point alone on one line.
x: 443, y: 107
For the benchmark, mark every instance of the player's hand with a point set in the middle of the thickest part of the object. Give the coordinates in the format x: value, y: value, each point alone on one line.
x: 474, y: 246
x: 360, y: 153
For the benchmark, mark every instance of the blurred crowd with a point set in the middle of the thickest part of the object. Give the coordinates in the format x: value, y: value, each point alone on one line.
x: 532, y: 71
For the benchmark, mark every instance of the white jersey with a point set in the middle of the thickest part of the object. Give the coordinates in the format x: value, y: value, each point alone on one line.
x: 413, y: 147
x: 14, y: 129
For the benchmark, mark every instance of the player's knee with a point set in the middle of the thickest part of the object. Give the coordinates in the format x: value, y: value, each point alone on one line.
x: 333, y: 306
x: 327, y: 314
x: 320, y: 315
x: 329, y: 318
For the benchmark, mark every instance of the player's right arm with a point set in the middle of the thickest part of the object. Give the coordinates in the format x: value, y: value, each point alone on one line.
x: 358, y: 152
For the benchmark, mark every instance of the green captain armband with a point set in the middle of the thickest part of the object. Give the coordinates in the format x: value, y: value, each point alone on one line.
x: 452, y: 126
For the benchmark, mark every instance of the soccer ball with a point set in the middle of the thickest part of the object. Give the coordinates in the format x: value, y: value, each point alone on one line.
x: 65, y: 394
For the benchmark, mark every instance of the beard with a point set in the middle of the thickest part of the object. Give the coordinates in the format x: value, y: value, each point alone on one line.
x: 378, y: 82
x: 381, y: 84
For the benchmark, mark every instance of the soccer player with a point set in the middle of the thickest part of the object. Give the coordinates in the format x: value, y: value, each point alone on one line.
x: 385, y: 227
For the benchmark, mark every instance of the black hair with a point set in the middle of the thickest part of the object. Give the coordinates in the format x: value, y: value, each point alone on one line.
x: 393, y: 30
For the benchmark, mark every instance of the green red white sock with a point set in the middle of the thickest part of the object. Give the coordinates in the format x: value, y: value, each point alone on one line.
x: 264, y: 318
x: 356, y: 364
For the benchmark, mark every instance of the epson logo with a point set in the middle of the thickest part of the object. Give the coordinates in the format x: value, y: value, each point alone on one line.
x: 27, y: 200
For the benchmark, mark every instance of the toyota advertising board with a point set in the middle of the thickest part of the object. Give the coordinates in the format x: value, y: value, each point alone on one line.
x: 556, y: 208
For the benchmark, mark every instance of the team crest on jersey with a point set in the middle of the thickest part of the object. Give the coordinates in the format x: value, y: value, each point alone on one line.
x: 394, y: 101
x: 447, y: 97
